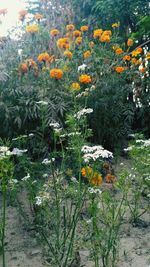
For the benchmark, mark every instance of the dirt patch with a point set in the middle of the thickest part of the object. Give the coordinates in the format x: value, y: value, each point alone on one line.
x: 21, y: 248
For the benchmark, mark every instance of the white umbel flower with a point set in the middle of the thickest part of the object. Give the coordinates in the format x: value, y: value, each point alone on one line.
x: 83, y: 112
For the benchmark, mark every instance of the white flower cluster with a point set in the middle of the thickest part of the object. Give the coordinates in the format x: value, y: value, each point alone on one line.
x: 128, y: 148
x: 145, y: 142
x: 74, y: 180
x: 27, y: 177
x: 48, y: 161
x: 94, y: 191
x: 56, y: 126
x: 4, y: 151
x: 18, y: 152
x: 22, y: 136
x: 70, y: 134
x: 13, y: 182
x: 42, y: 198
x: 83, y: 112
x: 86, y: 91
x: 44, y: 103
x: 95, y: 152
x: 82, y: 67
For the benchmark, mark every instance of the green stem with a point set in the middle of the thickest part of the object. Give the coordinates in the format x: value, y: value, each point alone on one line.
x: 3, y: 222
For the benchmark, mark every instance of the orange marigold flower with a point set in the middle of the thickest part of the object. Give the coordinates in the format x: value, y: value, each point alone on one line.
x: 54, y: 32
x: 84, y: 78
x: 108, y: 32
x: 87, y: 172
x: 110, y: 178
x: 43, y: 57
x: 78, y: 40
x: 70, y: 27
x: 31, y: 63
x: 38, y: 16
x: 87, y: 54
x: 56, y: 73
x: 142, y: 69
x: 84, y: 28
x: 136, y: 61
x: 23, y: 68
x: 97, y: 33
x: 104, y: 38
x: 76, y: 33
x: 118, y: 51
x: 119, y: 69
x: 3, y: 11
x: 130, y: 42
x: 68, y: 54
x: 126, y: 58
x: 91, y: 44
x: 32, y: 28
x: 63, y: 43
x: 75, y: 87
x: 115, y: 25
x: 22, y: 14
x: 96, y: 179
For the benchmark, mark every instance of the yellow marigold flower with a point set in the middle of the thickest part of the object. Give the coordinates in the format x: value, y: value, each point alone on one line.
x: 115, y: 25
x: 97, y: 33
x: 76, y: 33
x: 91, y: 44
x: 148, y: 56
x: 75, y: 86
x: 78, y: 40
x: 32, y: 28
x: 54, y: 32
x: 104, y: 38
x: 70, y: 27
x: 84, y: 28
x: 38, y: 16
x: 43, y: 57
x: 126, y: 58
x: 137, y: 52
x: 110, y: 178
x: 87, y: 171
x: 23, y: 67
x: 84, y: 78
x: 136, y: 61
x: 108, y: 32
x: 68, y: 54
x: 118, y: 51
x: 114, y: 47
x: 87, y: 54
x: 96, y: 179
x: 119, y: 69
x: 63, y: 43
x: 130, y: 42
x: 56, y: 73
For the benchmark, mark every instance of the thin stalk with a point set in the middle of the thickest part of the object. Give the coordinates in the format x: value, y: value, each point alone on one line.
x: 4, y: 193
